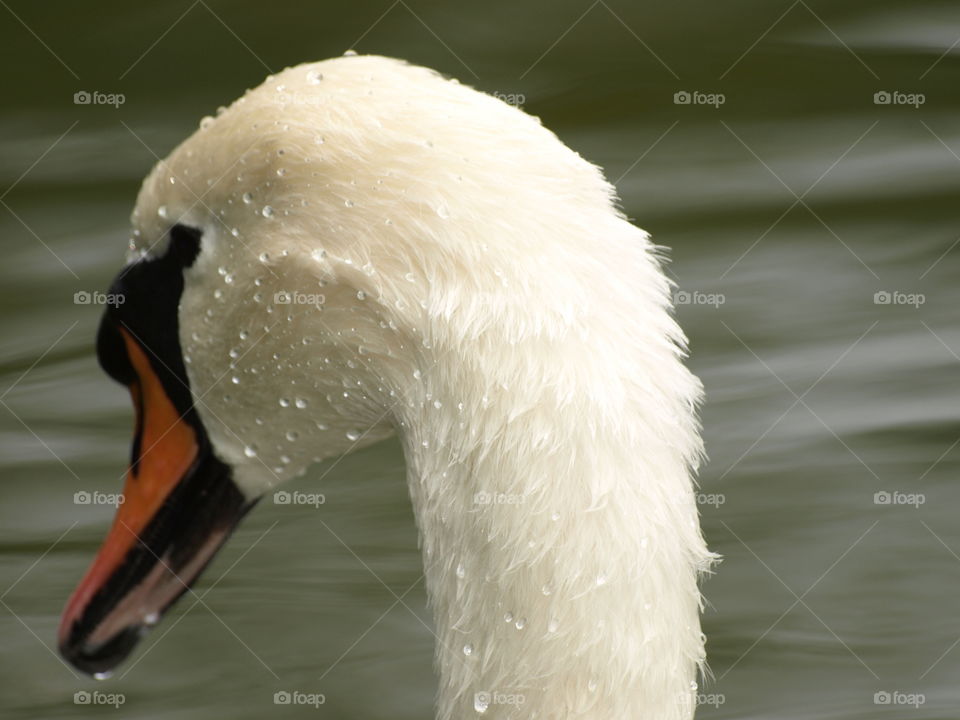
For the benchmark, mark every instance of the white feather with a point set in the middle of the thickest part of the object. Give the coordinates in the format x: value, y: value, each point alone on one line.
x: 484, y: 298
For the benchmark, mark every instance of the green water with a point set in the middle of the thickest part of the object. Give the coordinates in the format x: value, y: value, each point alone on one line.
x: 824, y: 597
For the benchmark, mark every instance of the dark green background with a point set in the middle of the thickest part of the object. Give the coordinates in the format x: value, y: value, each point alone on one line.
x: 877, y: 585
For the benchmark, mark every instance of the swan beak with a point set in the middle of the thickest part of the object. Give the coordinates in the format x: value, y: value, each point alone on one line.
x: 180, y: 505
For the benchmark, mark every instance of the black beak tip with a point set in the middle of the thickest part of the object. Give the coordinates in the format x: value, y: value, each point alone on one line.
x: 102, y: 659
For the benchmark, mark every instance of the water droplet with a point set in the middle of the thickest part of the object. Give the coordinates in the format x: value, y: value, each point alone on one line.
x: 417, y: 374
x: 267, y: 211
x: 350, y: 53
x: 292, y: 435
x: 285, y: 459
x: 228, y: 278
x: 162, y: 211
x: 555, y: 516
x: 284, y: 402
x: 281, y: 172
x: 348, y: 203
x: 235, y: 380
x: 546, y: 590
x: 468, y: 649
x: 235, y: 232
x: 553, y: 625
x: 592, y: 685
x: 601, y: 579
x: 250, y: 451
x: 247, y: 198
x: 443, y: 212
x: 481, y: 701
x: 300, y: 403
x: 105, y: 675
x: 264, y: 257
x: 314, y: 77
x: 461, y: 571
x: 437, y: 404
x: 151, y: 619
x: 361, y: 295
x: 508, y: 617
x: 206, y: 122
x: 520, y: 623
x: 244, y: 334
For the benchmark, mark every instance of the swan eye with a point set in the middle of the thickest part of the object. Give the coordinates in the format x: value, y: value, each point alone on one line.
x: 185, y: 244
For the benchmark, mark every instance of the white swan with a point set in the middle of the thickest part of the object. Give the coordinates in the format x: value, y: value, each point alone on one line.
x: 360, y: 247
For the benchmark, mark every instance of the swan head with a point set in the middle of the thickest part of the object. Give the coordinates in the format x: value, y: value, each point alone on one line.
x: 323, y: 263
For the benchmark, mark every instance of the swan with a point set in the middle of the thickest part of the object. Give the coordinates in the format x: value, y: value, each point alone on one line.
x: 360, y: 247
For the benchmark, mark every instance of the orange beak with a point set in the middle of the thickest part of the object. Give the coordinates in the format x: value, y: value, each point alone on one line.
x: 179, y: 507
